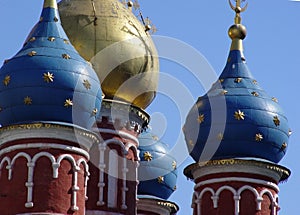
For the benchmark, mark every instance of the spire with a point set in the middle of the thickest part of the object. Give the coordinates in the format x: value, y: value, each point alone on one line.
x: 50, y: 3
x: 237, y: 32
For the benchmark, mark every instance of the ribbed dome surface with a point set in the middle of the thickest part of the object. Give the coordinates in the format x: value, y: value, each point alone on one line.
x: 236, y: 118
x: 47, y: 80
x: 157, y: 173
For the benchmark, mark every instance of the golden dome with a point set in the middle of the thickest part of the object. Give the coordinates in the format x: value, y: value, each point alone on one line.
x: 108, y: 34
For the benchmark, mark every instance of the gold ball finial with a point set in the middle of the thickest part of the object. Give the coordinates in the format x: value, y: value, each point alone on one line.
x: 237, y: 31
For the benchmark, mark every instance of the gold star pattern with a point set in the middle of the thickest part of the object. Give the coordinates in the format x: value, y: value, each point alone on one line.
x: 154, y: 137
x: 224, y: 92
x: 51, y: 39
x: 175, y: 188
x: 147, y: 156
x: 32, y: 39
x: 48, y: 77
x: 95, y: 111
x: 201, y: 118
x: 255, y: 82
x: 255, y: 94
x: 259, y: 137
x: 86, y: 84
x: 191, y: 143
x: 6, y: 80
x: 41, y: 19
x: 27, y: 100
x: 284, y: 146
x: 275, y: 99
x: 6, y: 61
x: 66, y: 56
x: 66, y: 41
x: 68, y: 103
x: 238, y: 80
x: 174, y: 164
x: 160, y: 179
x: 276, y: 120
x: 221, y: 81
x: 220, y: 136
x: 32, y: 53
x: 239, y: 115
x: 290, y: 132
x: 55, y: 19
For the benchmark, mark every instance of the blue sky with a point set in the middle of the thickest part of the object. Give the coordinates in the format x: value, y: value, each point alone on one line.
x: 271, y: 48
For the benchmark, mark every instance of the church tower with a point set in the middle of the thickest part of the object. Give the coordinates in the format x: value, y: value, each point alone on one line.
x: 236, y: 134
x: 47, y: 113
x: 120, y: 48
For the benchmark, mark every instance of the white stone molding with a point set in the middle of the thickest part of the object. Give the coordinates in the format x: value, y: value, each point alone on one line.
x: 86, y: 174
x: 122, y: 134
x: 101, y: 166
x: 215, y: 195
x: 124, y: 188
x: 238, y: 179
x: 45, y: 146
x: 31, y: 163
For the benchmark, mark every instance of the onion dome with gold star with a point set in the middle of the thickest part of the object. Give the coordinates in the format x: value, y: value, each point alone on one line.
x: 118, y: 44
x: 157, y: 173
x: 47, y: 80
x: 236, y: 118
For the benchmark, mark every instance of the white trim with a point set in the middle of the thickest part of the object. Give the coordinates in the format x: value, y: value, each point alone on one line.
x: 124, y: 188
x: 46, y: 146
x: 31, y: 163
x: 119, y: 133
x: 238, y: 179
x: 101, y: 166
x: 197, y: 197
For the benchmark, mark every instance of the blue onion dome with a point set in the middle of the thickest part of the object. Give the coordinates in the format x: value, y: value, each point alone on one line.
x: 157, y: 173
x: 47, y: 80
x: 236, y: 118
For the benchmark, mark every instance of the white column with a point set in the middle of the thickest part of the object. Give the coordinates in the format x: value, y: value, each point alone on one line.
x: 102, y: 166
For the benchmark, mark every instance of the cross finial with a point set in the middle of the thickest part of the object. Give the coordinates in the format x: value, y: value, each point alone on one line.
x: 238, y: 10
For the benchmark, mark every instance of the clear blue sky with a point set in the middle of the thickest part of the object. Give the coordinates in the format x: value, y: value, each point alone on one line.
x: 271, y: 48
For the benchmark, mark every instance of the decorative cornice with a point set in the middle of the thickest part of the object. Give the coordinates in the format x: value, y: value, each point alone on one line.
x: 279, y: 173
x: 159, y: 206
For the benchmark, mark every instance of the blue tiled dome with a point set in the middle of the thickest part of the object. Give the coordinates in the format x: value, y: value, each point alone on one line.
x: 236, y: 118
x: 157, y: 172
x: 47, y: 80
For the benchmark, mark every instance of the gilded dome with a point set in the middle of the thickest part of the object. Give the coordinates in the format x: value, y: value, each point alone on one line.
x: 47, y: 80
x: 123, y: 54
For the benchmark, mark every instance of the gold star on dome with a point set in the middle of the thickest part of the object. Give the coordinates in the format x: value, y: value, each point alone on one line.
x: 86, y: 84
x: 255, y: 82
x: 68, y: 103
x: 55, y: 19
x: 95, y: 111
x: 175, y: 188
x: 154, y: 137
x: 6, y: 61
x: 6, y: 80
x: 255, y: 94
x: 160, y: 179
x: 284, y: 146
x: 290, y: 132
x: 201, y: 118
x: 224, y: 92
x: 221, y: 81
x: 66, y: 41
x: 51, y: 39
x: 48, y: 77
x: 259, y: 137
x: 238, y: 80
x: 275, y: 99
x: 174, y: 164
x: 41, y: 19
x: 191, y: 143
x: 27, y: 100
x: 220, y: 136
x: 276, y: 120
x: 32, y: 39
x: 148, y: 156
x: 32, y: 53
x: 239, y: 115
x: 66, y: 56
